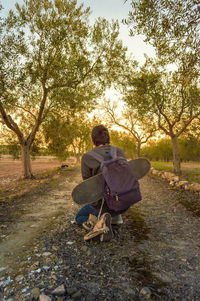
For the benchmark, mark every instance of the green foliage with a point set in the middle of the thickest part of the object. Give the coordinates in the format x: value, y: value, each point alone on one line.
x: 194, y: 130
x: 125, y: 141
x: 189, y: 149
x: 3, y: 149
x: 56, y: 134
x: 51, y: 57
x: 11, y: 149
x: 190, y: 171
x: 162, y: 166
x: 68, y: 137
x: 169, y: 97
x: 160, y: 150
x: 171, y: 26
x: 14, y: 150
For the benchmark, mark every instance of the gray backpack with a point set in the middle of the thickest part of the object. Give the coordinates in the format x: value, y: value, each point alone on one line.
x: 120, y: 187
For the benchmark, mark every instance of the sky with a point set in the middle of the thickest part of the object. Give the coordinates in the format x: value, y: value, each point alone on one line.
x: 109, y: 9
x: 117, y: 9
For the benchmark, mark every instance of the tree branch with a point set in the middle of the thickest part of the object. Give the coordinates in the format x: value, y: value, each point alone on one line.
x: 187, y: 123
x: 20, y: 107
x: 182, y: 109
x: 70, y: 83
x: 166, y: 118
x: 147, y: 138
x: 11, y: 124
x: 161, y: 127
x: 131, y: 130
x: 47, y: 111
x: 39, y: 119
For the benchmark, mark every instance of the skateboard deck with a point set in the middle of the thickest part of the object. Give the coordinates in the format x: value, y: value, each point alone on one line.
x: 90, y: 190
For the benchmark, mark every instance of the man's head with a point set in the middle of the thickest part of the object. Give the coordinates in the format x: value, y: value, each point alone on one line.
x: 100, y: 135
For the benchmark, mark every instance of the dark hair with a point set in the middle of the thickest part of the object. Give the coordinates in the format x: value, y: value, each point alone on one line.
x: 100, y: 135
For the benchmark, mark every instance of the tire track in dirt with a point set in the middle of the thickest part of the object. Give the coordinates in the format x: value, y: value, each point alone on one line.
x: 173, y: 244
x: 31, y: 219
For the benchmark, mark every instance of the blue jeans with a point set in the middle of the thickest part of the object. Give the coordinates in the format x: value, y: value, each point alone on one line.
x: 83, y: 214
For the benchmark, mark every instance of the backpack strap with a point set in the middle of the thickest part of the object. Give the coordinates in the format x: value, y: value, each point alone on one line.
x: 113, y: 152
x: 96, y: 156
x: 100, y: 158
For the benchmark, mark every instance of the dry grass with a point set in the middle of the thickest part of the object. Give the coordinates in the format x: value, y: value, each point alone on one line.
x: 12, y: 169
x: 190, y: 170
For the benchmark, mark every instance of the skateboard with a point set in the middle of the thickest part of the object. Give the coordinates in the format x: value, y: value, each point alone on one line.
x: 91, y: 190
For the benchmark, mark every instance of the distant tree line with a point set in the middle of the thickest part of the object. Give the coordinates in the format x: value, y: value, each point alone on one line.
x: 15, y: 151
x: 161, y: 150
x: 80, y: 142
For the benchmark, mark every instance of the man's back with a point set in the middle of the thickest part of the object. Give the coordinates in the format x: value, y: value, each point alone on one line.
x: 90, y: 166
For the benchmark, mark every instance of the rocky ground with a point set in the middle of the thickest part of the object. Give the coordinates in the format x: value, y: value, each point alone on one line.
x: 153, y: 256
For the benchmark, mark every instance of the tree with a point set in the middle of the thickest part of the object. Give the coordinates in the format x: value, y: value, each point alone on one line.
x: 190, y: 143
x: 125, y: 141
x: 172, y: 27
x: 139, y: 128
x: 189, y: 149
x: 194, y: 130
x: 66, y: 136
x: 50, y: 57
x: 171, y: 98
x: 158, y: 150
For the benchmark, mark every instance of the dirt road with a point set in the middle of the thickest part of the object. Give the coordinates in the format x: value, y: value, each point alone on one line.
x: 27, y: 211
x: 153, y: 256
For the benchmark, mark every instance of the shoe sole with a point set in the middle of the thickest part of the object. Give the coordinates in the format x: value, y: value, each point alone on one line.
x: 87, y: 227
x: 107, y: 236
x: 93, y: 234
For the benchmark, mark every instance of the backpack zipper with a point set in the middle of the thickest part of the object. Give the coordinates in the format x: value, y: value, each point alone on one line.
x: 121, y: 194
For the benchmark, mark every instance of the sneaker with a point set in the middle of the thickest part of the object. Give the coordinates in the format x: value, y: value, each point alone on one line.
x: 117, y: 220
x: 103, y: 226
x: 90, y: 223
x: 108, y: 233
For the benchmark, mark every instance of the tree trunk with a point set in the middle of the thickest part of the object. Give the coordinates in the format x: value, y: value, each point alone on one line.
x: 176, y: 156
x: 78, y: 159
x: 138, y: 149
x: 26, y: 161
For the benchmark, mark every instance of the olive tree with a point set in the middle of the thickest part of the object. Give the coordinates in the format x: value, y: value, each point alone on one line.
x: 171, y: 98
x: 68, y: 135
x: 172, y: 27
x: 139, y: 128
x: 52, y: 57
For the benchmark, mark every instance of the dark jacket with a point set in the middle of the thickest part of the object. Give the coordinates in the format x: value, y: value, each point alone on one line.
x: 91, y: 167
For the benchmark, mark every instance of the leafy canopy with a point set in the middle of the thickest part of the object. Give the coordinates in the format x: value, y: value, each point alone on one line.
x: 169, y: 97
x: 172, y: 27
x: 51, y: 57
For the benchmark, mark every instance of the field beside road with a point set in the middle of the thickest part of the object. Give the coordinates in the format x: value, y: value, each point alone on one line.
x: 190, y: 170
x: 12, y: 169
